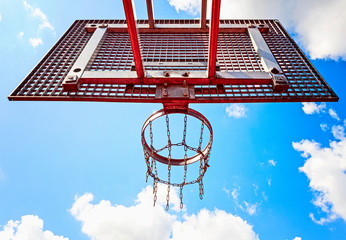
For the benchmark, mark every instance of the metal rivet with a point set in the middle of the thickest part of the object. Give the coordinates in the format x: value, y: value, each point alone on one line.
x: 166, y: 74
x: 186, y: 74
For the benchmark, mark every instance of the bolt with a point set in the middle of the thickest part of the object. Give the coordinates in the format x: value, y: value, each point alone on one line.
x: 166, y: 74
x: 186, y: 74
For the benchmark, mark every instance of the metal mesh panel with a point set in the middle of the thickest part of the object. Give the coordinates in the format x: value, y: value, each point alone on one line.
x: 235, y: 53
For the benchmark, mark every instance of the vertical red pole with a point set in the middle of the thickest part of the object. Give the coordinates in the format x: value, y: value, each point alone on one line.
x: 204, y: 14
x: 150, y: 10
x: 213, y: 37
x: 131, y: 25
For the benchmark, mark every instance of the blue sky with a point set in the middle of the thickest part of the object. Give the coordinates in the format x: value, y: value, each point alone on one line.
x: 72, y: 170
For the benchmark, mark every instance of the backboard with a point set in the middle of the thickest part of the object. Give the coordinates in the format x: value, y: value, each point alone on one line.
x: 256, y: 61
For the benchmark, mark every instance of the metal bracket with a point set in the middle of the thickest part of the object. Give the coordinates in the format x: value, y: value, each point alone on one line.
x: 172, y: 91
x: 71, y: 82
x: 268, y: 60
x: 280, y: 83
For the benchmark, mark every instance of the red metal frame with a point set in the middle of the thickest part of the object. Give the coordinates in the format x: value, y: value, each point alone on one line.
x: 131, y: 25
x: 150, y: 11
x: 179, y: 62
x: 204, y: 14
x: 213, y: 37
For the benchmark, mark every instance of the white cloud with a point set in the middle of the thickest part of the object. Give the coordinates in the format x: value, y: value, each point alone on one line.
x: 213, y: 225
x: 325, y: 168
x: 37, y: 13
x: 28, y: 228
x: 245, y: 206
x: 236, y: 110
x: 20, y: 34
x: 227, y: 191
x: 311, y: 107
x: 269, y: 182
x: 235, y: 194
x: 272, y: 162
x: 265, y: 197
x: 316, y: 22
x: 345, y: 122
x: 324, y: 127
x: 333, y: 114
x: 297, y: 238
x: 250, y: 208
x: 106, y: 221
x: 35, y: 42
x: 190, y: 6
x: 338, y: 132
x: 255, y: 188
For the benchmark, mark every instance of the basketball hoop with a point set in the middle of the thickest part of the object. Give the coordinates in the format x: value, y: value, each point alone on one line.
x: 153, y: 155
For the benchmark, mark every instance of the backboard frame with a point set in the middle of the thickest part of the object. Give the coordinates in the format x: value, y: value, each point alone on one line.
x: 274, y: 83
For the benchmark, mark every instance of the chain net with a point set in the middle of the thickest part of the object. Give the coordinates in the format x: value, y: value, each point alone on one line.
x: 153, y: 156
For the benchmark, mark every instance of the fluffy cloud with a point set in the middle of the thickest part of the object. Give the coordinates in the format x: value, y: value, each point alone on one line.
x: 272, y: 162
x: 297, y: 238
x: 338, y: 132
x: 35, y: 42
x: 236, y: 110
x: 316, y: 22
x: 20, y: 34
x: 28, y: 228
x: 106, y: 221
x: 325, y: 167
x: 324, y: 127
x: 212, y: 225
x: 311, y: 107
x: 245, y: 206
x: 37, y: 13
x: 333, y: 114
x: 190, y: 6
x: 250, y: 208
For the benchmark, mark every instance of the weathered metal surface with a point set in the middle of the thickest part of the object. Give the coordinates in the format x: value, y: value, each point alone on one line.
x: 242, y: 76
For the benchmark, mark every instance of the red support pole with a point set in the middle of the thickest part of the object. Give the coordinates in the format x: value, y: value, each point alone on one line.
x: 213, y: 37
x: 150, y: 10
x: 131, y: 25
x: 204, y: 14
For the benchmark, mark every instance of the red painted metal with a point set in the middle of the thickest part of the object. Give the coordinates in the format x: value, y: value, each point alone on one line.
x: 235, y: 53
x: 131, y: 25
x: 213, y: 37
x: 150, y: 11
x: 204, y: 14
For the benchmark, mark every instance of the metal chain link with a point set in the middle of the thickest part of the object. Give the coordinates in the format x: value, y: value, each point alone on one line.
x: 201, y: 137
x: 201, y: 169
x: 169, y: 162
x: 155, y: 190
x: 181, y: 197
x: 185, y: 162
x: 152, y: 168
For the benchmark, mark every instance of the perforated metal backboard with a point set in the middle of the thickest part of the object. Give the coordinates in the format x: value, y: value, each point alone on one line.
x: 175, y: 61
